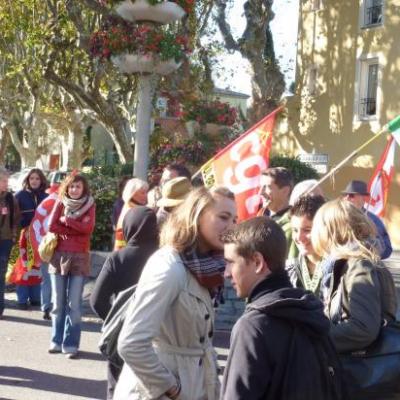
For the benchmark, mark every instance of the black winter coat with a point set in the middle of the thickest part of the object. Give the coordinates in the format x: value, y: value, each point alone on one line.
x: 122, y: 268
x: 275, y: 351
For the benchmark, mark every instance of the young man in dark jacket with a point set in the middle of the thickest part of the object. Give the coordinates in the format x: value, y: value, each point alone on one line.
x: 280, y: 347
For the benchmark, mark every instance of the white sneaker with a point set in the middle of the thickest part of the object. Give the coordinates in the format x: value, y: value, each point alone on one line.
x: 54, y: 348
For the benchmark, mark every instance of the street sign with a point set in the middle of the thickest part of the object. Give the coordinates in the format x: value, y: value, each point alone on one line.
x: 318, y: 161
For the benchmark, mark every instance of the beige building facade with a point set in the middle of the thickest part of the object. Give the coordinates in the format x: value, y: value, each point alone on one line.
x: 347, y: 88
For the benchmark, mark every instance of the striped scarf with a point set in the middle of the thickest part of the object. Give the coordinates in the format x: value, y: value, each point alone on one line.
x: 208, y: 269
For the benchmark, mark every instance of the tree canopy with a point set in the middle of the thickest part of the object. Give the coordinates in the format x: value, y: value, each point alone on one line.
x: 51, y: 87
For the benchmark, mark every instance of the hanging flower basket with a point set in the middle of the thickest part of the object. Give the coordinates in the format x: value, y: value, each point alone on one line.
x: 134, y: 63
x: 141, y: 48
x: 131, y: 63
x: 140, y: 10
x: 166, y: 67
x: 124, y: 7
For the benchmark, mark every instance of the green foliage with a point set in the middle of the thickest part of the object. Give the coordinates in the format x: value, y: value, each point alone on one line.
x: 104, y: 190
x: 111, y: 171
x: 300, y: 170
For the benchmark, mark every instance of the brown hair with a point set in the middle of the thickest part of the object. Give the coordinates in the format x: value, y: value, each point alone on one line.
x: 281, y: 176
x: 181, y: 229
x: 43, y: 181
x: 63, y: 191
x: 307, y: 206
x: 262, y: 235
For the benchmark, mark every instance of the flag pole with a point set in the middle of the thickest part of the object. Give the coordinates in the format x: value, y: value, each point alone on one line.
x: 349, y: 157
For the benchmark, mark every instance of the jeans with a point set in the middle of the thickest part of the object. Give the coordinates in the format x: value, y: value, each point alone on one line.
x: 66, y: 314
x: 45, y: 286
x: 25, y: 293
x: 5, y: 249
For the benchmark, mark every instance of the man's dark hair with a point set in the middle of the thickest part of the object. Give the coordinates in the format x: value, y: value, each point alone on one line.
x: 307, y: 206
x: 281, y: 176
x: 180, y: 169
x: 260, y: 234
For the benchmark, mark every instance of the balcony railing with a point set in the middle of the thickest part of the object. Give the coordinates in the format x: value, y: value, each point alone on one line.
x: 368, y: 106
x: 373, y: 15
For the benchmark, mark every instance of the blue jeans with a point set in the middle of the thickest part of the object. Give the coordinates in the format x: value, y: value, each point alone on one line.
x: 25, y: 293
x: 5, y: 249
x: 45, y: 286
x: 66, y: 314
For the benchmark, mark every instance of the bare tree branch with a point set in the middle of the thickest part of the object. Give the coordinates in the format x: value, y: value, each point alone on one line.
x: 224, y: 27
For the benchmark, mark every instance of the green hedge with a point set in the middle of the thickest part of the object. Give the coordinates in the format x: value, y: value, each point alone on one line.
x: 104, y: 190
x: 300, y: 170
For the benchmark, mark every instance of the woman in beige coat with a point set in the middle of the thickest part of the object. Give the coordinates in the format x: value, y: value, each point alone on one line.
x: 166, y: 338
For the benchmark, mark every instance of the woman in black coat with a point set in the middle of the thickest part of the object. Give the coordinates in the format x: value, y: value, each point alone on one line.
x: 123, y: 267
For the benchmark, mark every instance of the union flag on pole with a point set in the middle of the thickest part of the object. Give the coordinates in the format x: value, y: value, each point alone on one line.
x: 379, y: 184
x: 239, y: 165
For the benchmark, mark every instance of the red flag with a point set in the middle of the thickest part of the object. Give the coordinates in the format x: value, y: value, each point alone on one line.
x: 239, y: 165
x: 379, y: 184
x: 39, y: 224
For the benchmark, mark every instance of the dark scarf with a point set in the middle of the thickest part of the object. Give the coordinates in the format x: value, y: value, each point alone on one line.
x: 208, y: 269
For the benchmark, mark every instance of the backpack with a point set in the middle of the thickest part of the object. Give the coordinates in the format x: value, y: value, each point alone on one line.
x: 313, y: 369
x: 112, y: 326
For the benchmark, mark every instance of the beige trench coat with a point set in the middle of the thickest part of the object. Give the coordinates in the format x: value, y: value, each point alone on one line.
x: 167, y: 335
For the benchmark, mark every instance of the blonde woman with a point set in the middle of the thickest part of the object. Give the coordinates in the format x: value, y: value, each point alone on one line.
x: 133, y: 195
x: 166, y: 339
x: 356, y: 302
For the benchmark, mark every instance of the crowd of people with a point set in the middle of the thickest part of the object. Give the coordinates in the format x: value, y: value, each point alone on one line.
x: 310, y: 270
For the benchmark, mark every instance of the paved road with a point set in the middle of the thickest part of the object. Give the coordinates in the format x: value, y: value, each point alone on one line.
x: 28, y: 372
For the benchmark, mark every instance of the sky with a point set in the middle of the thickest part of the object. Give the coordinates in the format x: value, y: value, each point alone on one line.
x: 284, y: 30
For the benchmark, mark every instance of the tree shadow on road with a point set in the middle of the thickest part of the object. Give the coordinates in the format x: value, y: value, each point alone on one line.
x: 39, y: 380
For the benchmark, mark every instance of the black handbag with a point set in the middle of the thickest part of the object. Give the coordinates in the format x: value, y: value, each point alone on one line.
x: 375, y: 371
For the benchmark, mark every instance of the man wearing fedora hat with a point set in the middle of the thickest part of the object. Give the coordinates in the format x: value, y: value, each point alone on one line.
x: 357, y: 193
x: 173, y: 193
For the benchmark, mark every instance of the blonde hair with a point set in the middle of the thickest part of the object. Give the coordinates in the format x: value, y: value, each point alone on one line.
x: 131, y: 187
x: 342, y: 229
x: 181, y: 229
